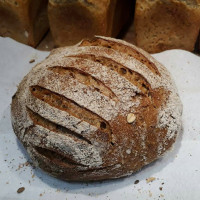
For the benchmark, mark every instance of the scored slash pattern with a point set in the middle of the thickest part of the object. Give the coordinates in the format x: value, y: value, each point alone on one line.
x: 71, y: 110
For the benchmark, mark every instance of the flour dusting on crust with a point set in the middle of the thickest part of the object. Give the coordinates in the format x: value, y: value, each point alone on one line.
x: 70, y: 111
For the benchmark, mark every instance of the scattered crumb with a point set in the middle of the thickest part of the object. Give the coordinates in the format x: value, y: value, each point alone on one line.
x: 21, y: 165
x: 7, y: 182
x: 163, y: 183
x: 160, y: 188
x: 150, y: 194
x: 150, y: 179
x: 162, y: 195
x: 33, y: 175
x: 32, y: 60
x: 21, y: 189
x: 136, y: 182
x: 41, y: 194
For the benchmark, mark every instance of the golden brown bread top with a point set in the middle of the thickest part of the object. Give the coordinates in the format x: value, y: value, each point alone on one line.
x: 170, y: 24
x: 71, y: 21
x: 24, y: 20
x: 71, y: 110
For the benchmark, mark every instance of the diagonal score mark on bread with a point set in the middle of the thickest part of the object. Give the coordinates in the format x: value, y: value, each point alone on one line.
x: 39, y: 120
x: 86, y: 79
x: 77, y: 150
x: 57, y: 157
x: 109, y: 78
x: 83, y: 95
x: 122, y: 48
x: 135, y: 78
x: 66, y: 161
x: 62, y: 103
x: 61, y: 117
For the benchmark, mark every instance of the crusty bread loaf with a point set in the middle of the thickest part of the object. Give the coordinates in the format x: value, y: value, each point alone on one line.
x: 171, y: 24
x: 98, y: 110
x: 71, y: 21
x: 24, y: 20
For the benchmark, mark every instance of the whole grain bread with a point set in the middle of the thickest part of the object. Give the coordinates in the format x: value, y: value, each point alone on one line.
x: 171, y: 24
x: 24, y: 20
x: 71, y: 21
x: 98, y: 110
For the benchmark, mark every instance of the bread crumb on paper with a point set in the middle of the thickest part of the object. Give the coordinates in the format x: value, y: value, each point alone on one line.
x: 136, y: 182
x: 32, y: 61
x: 20, y: 190
x: 150, y: 179
x: 150, y: 194
x: 21, y: 165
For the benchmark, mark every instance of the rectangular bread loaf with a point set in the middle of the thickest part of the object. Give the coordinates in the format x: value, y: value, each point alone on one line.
x: 24, y: 20
x: 171, y: 24
x: 72, y: 20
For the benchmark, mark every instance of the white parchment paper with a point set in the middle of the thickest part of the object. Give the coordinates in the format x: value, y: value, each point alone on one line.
x: 177, y: 175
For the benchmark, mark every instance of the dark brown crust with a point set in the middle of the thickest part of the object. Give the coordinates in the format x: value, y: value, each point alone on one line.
x: 72, y: 174
x: 124, y: 49
x: 71, y: 138
x: 134, y: 77
x: 39, y: 120
x: 71, y: 107
x: 86, y: 79
x: 57, y: 158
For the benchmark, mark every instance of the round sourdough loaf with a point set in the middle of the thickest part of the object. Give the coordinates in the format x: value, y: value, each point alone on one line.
x: 98, y: 110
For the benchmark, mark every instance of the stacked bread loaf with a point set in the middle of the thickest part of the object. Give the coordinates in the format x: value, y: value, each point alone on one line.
x: 71, y: 21
x: 24, y: 20
x: 171, y: 24
x: 158, y: 25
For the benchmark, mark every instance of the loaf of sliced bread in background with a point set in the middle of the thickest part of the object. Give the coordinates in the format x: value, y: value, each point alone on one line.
x: 71, y: 21
x: 171, y: 24
x: 24, y: 20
